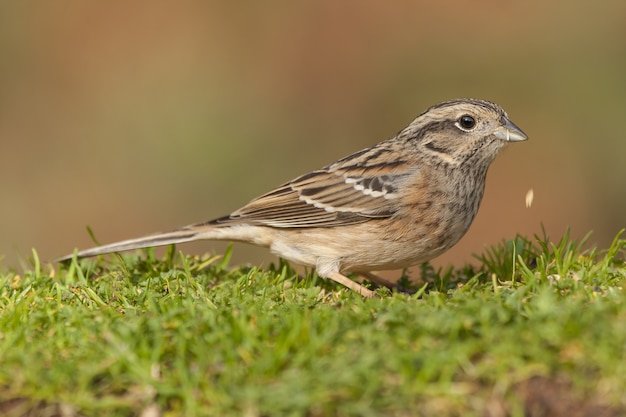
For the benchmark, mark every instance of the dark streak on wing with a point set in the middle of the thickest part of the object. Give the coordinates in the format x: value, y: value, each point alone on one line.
x: 386, y: 165
x: 309, y: 176
x: 381, y: 184
x: 312, y: 191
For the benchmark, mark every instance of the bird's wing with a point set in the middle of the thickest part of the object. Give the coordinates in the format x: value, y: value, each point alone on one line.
x: 355, y: 189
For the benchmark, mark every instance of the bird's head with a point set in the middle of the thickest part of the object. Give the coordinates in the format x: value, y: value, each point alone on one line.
x: 463, y: 131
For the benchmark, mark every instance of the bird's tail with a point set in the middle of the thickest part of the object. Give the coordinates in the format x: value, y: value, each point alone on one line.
x: 185, y: 234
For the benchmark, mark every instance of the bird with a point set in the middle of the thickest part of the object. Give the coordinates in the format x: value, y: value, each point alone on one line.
x: 399, y: 203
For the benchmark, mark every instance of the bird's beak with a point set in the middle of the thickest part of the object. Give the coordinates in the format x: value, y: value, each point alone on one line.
x: 510, y: 133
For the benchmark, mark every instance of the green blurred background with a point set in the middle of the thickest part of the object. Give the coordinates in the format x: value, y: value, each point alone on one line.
x: 135, y: 117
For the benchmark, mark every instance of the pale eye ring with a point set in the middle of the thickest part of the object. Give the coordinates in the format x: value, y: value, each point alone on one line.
x: 466, y: 122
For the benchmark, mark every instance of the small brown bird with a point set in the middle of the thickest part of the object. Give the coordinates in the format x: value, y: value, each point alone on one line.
x: 399, y: 203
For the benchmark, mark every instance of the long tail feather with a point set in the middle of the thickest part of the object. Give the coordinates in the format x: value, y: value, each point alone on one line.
x: 158, y: 239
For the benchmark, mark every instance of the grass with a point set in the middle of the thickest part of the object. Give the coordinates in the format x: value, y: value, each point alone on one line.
x: 537, y: 329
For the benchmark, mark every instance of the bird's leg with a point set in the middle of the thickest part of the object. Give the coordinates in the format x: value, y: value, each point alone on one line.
x: 376, y: 279
x: 347, y: 282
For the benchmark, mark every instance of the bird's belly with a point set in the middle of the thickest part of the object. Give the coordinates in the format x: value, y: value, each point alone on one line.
x: 363, y: 248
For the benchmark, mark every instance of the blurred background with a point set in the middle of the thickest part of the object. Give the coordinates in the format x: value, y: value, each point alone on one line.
x: 137, y: 117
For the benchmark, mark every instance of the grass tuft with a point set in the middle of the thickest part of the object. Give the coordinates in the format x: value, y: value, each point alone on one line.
x: 537, y: 328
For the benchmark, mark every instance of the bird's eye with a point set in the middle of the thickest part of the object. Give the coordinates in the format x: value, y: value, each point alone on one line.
x: 467, y: 122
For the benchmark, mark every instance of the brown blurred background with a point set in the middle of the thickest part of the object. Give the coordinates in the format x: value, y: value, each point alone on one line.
x: 135, y: 117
